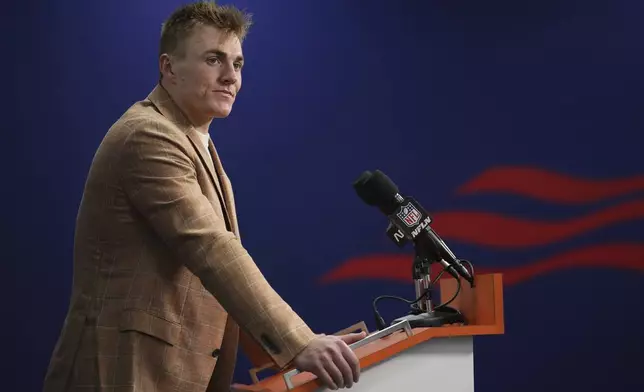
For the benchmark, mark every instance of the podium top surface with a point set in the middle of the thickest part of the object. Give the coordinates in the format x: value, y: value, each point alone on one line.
x: 483, y: 306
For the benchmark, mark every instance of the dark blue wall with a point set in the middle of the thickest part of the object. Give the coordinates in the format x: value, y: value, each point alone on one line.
x: 434, y: 93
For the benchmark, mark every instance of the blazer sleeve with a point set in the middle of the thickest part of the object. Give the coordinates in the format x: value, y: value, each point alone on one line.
x: 159, y: 178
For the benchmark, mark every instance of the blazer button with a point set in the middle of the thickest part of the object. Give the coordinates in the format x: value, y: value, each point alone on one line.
x: 215, y: 352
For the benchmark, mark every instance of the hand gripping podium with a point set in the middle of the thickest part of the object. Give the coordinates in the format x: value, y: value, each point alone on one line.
x: 401, y: 359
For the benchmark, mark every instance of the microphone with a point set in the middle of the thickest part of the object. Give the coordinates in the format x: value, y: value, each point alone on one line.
x: 408, y: 221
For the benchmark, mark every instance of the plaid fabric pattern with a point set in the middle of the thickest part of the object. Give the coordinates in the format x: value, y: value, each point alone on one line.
x: 159, y: 266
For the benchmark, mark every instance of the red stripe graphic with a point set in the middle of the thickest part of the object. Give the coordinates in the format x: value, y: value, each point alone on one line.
x: 398, y: 267
x: 484, y: 228
x: 549, y: 186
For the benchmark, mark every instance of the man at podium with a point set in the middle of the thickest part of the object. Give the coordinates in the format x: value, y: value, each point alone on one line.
x: 161, y: 280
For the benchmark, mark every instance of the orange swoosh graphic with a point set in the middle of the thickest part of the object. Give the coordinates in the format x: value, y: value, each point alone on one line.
x: 490, y: 229
x: 398, y: 267
x: 549, y: 186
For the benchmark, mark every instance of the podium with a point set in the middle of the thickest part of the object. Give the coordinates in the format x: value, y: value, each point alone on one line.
x: 401, y: 359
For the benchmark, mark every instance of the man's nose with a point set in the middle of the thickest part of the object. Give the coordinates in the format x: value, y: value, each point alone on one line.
x: 228, y: 76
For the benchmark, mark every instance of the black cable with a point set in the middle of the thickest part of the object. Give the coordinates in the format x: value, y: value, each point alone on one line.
x: 444, y: 305
x: 469, y: 264
x: 380, y: 322
x: 438, y: 276
x: 445, y: 269
x: 458, y: 284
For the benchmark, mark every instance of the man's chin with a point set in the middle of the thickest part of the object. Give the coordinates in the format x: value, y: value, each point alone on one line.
x: 221, y: 112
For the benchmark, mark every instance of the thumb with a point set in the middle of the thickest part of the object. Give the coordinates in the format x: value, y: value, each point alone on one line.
x: 353, y: 337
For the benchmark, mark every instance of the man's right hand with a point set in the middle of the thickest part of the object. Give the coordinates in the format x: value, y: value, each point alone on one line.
x: 331, y: 360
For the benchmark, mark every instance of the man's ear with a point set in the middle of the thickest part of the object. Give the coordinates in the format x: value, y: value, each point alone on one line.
x: 165, y: 67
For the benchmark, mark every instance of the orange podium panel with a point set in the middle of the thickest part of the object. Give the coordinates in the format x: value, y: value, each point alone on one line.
x: 401, y: 358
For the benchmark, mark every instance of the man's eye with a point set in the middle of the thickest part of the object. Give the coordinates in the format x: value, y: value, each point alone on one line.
x: 238, y: 66
x: 212, y: 60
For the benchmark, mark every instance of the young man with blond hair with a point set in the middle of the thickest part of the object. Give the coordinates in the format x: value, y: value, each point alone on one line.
x: 158, y: 262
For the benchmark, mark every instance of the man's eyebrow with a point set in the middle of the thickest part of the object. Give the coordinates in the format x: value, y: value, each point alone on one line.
x: 224, y: 55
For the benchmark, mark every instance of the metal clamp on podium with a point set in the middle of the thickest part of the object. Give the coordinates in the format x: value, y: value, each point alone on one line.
x: 402, y: 325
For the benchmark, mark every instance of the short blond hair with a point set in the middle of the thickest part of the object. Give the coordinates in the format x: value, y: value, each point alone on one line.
x: 177, y: 28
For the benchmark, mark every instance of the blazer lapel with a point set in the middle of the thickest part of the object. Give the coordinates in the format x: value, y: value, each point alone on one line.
x: 169, y: 109
x: 226, y: 188
x: 203, y: 154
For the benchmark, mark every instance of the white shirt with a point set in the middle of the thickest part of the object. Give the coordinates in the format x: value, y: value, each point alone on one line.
x: 205, y: 137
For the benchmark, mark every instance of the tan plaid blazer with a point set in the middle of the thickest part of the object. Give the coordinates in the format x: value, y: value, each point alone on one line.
x: 158, y: 266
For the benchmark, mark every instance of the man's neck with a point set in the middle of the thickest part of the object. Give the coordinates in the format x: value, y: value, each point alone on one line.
x: 201, y: 123
x: 203, y: 129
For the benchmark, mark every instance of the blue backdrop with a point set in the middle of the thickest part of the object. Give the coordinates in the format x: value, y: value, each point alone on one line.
x: 517, y: 124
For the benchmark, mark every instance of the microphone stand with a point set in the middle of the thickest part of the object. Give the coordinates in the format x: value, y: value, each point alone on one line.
x: 424, y: 315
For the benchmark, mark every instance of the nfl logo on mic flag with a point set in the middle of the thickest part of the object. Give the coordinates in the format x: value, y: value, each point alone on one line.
x: 410, y: 215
